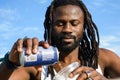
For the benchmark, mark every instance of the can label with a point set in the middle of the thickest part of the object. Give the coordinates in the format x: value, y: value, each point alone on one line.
x: 43, y: 57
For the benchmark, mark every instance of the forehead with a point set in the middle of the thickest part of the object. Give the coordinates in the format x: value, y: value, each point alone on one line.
x: 69, y: 11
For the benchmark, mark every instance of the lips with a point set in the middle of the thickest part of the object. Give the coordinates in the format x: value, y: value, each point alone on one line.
x: 67, y: 38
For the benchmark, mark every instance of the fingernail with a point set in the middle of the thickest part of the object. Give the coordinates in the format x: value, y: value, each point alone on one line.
x: 35, y: 50
x: 70, y: 75
x: 28, y: 51
x: 19, y: 49
x: 40, y: 69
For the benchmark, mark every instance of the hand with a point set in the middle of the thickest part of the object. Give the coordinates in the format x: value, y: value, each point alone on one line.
x: 86, y: 73
x: 31, y: 46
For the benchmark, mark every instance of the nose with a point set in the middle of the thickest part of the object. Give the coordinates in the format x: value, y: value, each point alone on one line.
x: 67, y: 28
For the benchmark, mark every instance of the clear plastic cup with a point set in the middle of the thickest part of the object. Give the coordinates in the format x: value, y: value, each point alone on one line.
x: 63, y: 74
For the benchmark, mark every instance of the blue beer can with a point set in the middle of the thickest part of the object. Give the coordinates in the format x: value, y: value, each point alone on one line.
x: 43, y: 57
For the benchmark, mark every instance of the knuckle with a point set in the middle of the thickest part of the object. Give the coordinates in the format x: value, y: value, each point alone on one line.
x: 28, y: 38
x: 35, y: 38
x: 19, y: 40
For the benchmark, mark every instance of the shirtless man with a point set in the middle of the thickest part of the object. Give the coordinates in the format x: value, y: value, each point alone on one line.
x: 69, y: 27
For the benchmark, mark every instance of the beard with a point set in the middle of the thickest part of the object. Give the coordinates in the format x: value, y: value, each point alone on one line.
x: 64, y: 46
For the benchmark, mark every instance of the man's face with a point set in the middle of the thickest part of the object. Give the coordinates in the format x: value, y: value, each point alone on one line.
x: 67, y: 27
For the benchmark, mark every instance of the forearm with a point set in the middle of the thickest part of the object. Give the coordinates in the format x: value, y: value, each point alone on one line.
x: 114, y: 79
x: 5, y: 72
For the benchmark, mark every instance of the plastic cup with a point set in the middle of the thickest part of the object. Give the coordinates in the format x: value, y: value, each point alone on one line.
x: 63, y: 74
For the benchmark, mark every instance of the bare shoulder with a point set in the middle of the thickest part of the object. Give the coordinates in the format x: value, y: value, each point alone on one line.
x: 110, y: 62
x: 108, y: 56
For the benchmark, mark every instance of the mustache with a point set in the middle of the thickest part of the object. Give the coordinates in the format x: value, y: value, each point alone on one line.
x: 68, y: 36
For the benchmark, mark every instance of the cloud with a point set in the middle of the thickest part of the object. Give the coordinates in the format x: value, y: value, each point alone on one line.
x: 41, y: 1
x: 104, y: 6
x: 7, y: 30
x: 4, y: 26
x: 111, y: 42
x: 11, y: 32
x: 106, y: 40
x: 8, y: 14
x: 114, y: 5
x: 3, y: 49
x: 9, y: 25
x: 105, y: 3
x: 11, y: 29
x: 98, y: 3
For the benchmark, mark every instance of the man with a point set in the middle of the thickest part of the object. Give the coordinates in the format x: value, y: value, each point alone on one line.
x: 69, y: 27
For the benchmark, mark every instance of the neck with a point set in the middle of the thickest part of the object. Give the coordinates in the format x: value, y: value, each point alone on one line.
x: 69, y: 58
x: 65, y: 60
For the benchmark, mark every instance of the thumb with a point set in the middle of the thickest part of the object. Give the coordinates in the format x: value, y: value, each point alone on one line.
x: 39, y: 68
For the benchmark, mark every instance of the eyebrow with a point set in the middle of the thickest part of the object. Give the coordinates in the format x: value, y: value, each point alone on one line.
x: 62, y: 20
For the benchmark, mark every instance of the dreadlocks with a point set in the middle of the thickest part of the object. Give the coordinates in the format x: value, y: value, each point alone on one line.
x: 90, y: 43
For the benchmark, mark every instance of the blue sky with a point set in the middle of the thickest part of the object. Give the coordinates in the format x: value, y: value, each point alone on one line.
x: 20, y: 18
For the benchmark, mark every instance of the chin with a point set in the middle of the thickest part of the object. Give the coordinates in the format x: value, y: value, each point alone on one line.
x: 67, y: 48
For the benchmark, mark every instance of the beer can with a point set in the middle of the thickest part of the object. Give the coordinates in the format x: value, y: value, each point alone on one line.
x: 42, y: 57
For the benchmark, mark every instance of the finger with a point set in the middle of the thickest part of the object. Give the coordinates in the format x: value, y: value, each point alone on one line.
x: 88, y: 75
x: 93, y: 73
x: 14, y: 53
x: 20, y: 45
x: 14, y: 47
x: 82, y: 76
x: 35, y: 45
x: 44, y: 44
x: 39, y: 68
x: 98, y: 78
x: 28, y: 44
x: 74, y: 72
x: 79, y: 70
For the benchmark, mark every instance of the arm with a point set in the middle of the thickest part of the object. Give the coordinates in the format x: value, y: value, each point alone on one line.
x: 9, y: 70
x: 31, y: 46
x: 9, y: 74
x: 111, y: 63
x: 20, y: 73
x: 4, y: 71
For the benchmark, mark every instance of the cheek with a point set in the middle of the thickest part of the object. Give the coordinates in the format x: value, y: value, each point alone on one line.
x: 56, y: 30
x: 55, y: 33
x: 79, y: 33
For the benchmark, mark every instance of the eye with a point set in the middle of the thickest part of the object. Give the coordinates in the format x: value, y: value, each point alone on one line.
x: 74, y: 23
x: 59, y: 23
